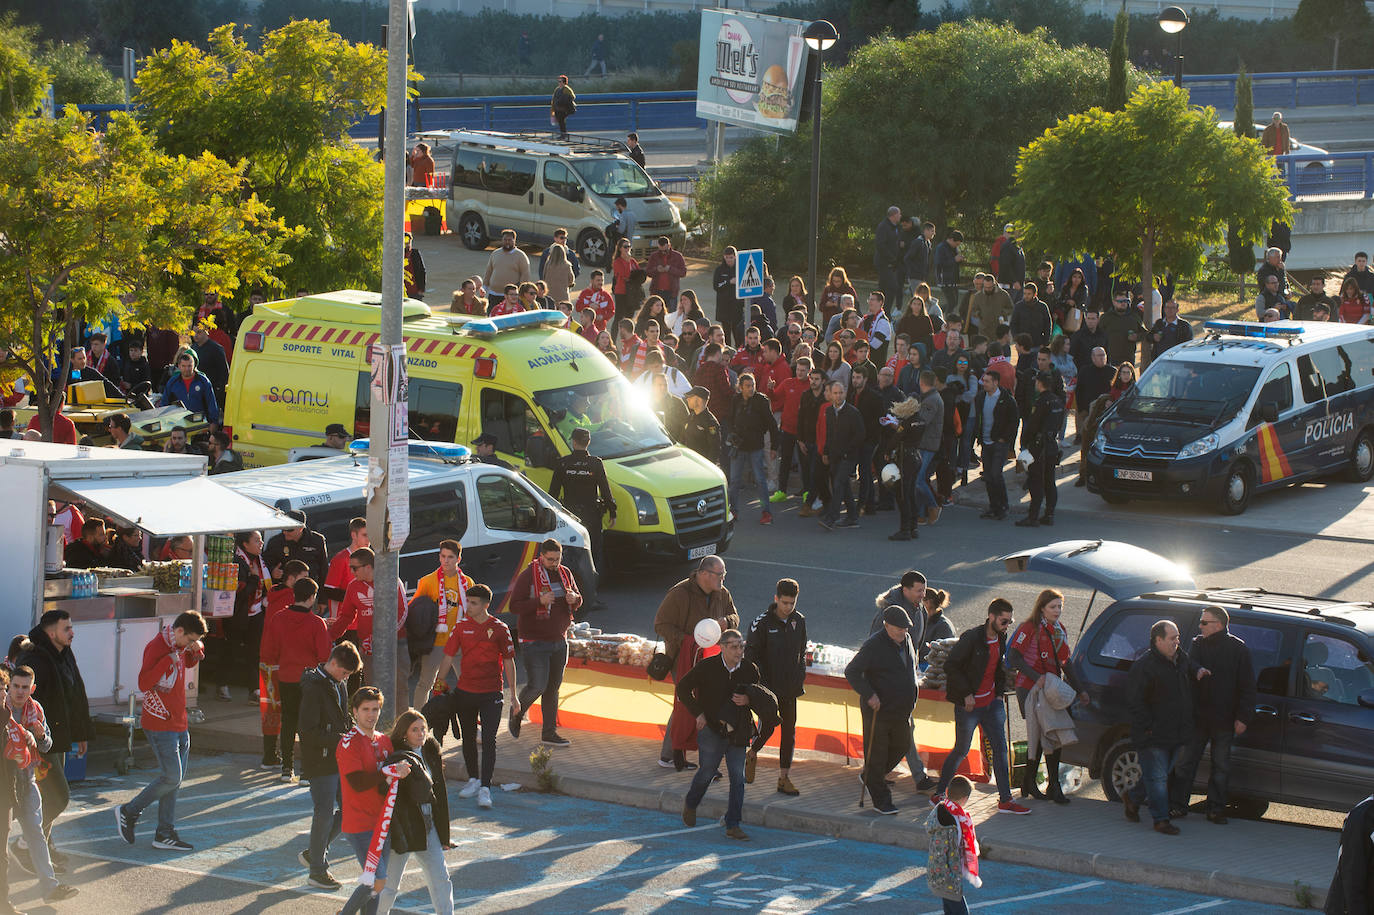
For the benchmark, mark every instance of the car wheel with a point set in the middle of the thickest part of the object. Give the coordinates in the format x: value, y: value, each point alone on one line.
x: 1247, y: 808
x: 1120, y: 770
x: 1113, y: 498
x: 1362, y: 458
x: 1236, y: 492
x: 473, y: 231
x: 591, y: 248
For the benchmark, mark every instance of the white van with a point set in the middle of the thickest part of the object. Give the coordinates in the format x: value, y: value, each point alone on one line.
x: 536, y: 183
x: 1241, y: 409
x: 497, y: 515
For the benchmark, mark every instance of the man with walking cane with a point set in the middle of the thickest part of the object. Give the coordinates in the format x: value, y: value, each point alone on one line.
x: 883, y: 673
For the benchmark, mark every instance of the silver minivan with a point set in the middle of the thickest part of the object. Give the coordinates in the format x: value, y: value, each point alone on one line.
x: 536, y: 183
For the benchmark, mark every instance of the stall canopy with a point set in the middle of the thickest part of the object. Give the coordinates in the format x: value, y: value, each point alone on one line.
x: 175, y: 506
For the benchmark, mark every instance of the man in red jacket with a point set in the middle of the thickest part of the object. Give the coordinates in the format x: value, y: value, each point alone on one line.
x: 788, y: 396
x: 355, y: 614
x: 292, y: 642
x: 544, y: 599
x: 162, y: 680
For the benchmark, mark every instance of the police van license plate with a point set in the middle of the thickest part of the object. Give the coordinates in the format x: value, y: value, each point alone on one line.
x: 1143, y: 475
x: 700, y: 552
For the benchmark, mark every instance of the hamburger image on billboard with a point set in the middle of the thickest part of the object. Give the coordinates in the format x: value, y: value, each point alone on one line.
x: 775, y: 98
x: 750, y: 66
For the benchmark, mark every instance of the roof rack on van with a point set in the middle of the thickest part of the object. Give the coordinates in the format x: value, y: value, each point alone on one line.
x: 538, y: 141
x: 1259, y: 598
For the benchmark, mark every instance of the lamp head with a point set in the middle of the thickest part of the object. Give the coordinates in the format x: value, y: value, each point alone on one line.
x: 1173, y: 19
x: 820, y: 35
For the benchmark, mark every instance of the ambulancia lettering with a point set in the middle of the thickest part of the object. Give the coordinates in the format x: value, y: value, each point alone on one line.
x: 1327, y: 426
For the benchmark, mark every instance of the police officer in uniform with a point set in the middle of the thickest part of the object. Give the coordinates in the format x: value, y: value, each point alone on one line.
x: 484, y: 447
x: 301, y: 543
x: 579, y: 482
x: 1041, y: 438
x: 701, y: 432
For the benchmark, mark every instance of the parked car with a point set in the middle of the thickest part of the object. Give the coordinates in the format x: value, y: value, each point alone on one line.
x: 1309, y: 744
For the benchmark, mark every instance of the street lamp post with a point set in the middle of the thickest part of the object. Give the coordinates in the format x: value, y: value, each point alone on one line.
x: 820, y: 36
x: 1173, y: 20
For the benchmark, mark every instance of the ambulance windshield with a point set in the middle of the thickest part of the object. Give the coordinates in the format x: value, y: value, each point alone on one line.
x: 1206, y: 393
x: 616, y: 414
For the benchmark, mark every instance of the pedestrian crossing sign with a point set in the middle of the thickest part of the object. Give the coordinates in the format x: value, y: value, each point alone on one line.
x: 749, y: 274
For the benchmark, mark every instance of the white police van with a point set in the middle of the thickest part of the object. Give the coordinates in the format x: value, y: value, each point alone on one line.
x: 1241, y: 409
x: 497, y: 515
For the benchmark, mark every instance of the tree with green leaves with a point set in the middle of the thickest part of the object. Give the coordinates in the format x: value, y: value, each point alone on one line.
x: 22, y: 81
x: 1155, y: 184
x: 930, y: 122
x: 283, y: 111
x: 99, y: 224
x: 1332, y: 20
x: 1240, y: 255
x: 1119, y: 62
x: 78, y: 77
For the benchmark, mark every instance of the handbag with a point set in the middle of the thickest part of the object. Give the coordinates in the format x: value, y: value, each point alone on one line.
x: 660, y: 665
x: 1073, y: 319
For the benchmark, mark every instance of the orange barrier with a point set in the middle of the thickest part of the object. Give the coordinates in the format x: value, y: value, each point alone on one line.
x: 620, y: 699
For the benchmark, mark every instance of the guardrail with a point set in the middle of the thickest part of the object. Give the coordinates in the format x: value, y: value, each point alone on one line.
x: 595, y: 111
x: 1344, y: 174
x: 1285, y: 90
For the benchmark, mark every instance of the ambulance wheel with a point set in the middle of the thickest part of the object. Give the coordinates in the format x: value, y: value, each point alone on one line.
x: 1235, y: 494
x: 473, y: 231
x: 1362, y: 458
x: 591, y: 248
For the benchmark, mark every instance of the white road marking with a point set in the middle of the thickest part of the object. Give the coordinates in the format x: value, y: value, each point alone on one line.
x: 558, y: 849
x: 1209, y: 904
x: 293, y: 814
x: 706, y: 861
x: 1086, y: 885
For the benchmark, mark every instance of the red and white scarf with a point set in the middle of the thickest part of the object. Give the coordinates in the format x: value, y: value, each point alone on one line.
x: 383, y: 828
x: 540, y: 583
x: 17, y: 745
x: 256, y: 566
x: 967, y: 838
x: 443, y: 601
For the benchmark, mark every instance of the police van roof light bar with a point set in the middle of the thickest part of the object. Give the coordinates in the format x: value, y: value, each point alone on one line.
x: 417, y: 448
x: 1282, y: 331
x: 489, y: 327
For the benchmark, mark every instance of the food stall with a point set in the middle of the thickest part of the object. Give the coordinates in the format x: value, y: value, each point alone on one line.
x: 606, y: 689
x: 116, y: 614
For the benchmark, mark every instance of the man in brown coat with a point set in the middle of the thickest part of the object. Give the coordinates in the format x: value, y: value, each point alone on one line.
x: 700, y: 596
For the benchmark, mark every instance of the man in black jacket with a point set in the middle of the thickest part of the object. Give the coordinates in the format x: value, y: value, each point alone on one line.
x: 844, y: 442
x: 917, y: 260
x: 701, y: 431
x: 1041, y: 439
x: 1160, y: 700
x: 324, y: 718
x: 1352, y: 888
x: 975, y: 680
x: 777, y: 646
x: 813, y: 401
x: 58, y: 687
x: 870, y: 407
x: 994, y: 419
x: 1031, y: 316
x: 301, y: 543
x: 729, y: 308
x: 1169, y: 331
x: 580, y: 481
x: 750, y: 421
x: 883, y: 673
x: 1226, y: 707
x: 887, y: 255
x: 711, y: 691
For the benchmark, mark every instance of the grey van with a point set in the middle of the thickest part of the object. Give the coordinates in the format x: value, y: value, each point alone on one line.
x: 1310, y: 743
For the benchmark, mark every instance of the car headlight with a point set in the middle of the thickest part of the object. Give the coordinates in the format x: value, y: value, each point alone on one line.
x: 645, y: 506
x: 1099, y: 443
x: 1200, y: 447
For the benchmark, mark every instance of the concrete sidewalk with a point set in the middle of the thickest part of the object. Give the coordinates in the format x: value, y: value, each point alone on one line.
x: 1248, y: 860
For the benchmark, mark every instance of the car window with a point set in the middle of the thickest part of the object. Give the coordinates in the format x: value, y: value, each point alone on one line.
x: 1267, y: 657
x: 438, y: 514
x: 1334, y: 669
x: 505, y: 416
x: 467, y: 169
x: 433, y: 408
x: 1125, y: 638
x: 507, y: 174
x: 507, y: 506
x: 559, y: 180
x: 1278, y: 388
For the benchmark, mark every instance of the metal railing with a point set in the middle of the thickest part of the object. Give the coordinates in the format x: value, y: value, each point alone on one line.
x: 1343, y: 174
x: 1285, y: 90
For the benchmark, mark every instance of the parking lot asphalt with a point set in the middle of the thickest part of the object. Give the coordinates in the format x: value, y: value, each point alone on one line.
x: 533, y: 852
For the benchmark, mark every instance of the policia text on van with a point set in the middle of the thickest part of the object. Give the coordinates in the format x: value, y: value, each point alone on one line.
x: 301, y: 364
x: 1246, y: 408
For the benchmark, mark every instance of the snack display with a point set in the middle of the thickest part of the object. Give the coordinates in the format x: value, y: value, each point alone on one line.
x: 934, y: 675
x: 610, y: 648
x: 167, y: 576
x: 829, y: 660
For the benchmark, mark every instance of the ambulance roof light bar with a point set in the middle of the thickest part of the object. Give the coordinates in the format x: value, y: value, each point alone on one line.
x: 490, y: 327
x: 1279, y: 331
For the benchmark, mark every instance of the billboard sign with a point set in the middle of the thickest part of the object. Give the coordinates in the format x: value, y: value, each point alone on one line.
x: 751, y: 70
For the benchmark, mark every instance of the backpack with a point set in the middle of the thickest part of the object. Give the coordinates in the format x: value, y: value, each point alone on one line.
x: 944, y: 857
x: 422, y: 620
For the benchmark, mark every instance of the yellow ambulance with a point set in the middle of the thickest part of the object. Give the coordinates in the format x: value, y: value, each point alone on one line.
x: 302, y: 364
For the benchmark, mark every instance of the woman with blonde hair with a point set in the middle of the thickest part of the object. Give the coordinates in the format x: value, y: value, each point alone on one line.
x: 558, y: 273
x: 1040, y: 646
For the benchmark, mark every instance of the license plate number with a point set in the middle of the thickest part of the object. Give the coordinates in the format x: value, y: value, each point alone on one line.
x: 701, y: 552
x: 1143, y: 475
